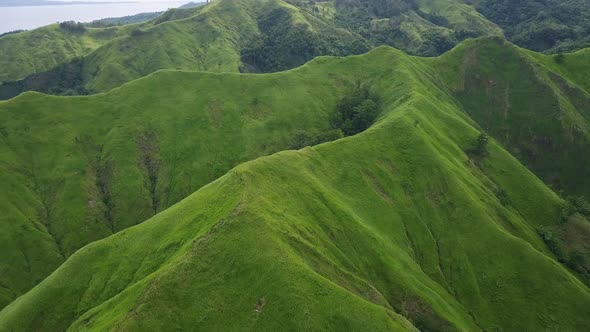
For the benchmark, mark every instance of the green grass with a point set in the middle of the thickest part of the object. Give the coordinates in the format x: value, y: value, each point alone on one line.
x: 536, y: 107
x: 59, y: 159
x: 395, y: 228
x: 208, y: 38
x: 215, y: 38
x: 41, y: 49
x: 46, y: 48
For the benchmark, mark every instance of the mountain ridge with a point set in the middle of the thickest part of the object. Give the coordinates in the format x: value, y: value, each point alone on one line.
x: 427, y: 28
x: 398, y: 223
x: 422, y: 126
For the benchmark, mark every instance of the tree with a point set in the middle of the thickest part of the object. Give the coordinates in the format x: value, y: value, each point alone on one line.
x: 482, y: 144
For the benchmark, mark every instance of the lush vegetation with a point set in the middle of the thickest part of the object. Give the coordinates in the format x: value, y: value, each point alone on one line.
x: 269, y: 36
x: 356, y: 111
x: 72, y: 26
x: 286, y: 43
x: 225, y: 36
x: 390, y: 229
x: 433, y: 194
x: 542, y: 25
x: 42, y: 49
x: 550, y: 132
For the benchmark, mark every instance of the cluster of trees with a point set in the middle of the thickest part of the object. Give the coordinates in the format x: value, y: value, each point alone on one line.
x: 435, y: 18
x: 11, y: 32
x: 356, y: 15
x: 72, y: 26
x: 575, y: 205
x: 65, y: 79
x: 540, y: 25
x: 285, y: 45
x: 356, y: 111
x: 557, y: 241
x: 359, y: 16
x: 377, y: 8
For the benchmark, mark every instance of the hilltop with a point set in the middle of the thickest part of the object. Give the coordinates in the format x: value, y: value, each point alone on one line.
x: 224, y: 36
x: 405, y: 222
x: 273, y: 35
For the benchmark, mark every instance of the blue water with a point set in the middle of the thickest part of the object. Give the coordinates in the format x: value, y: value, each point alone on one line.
x: 16, y: 18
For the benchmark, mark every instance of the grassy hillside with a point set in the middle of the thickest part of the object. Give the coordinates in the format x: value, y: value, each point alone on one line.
x: 90, y: 166
x: 270, y: 36
x: 112, y: 166
x: 426, y: 28
x: 224, y: 36
x: 400, y: 227
x: 227, y: 29
x: 538, y: 106
x: 41, y: 49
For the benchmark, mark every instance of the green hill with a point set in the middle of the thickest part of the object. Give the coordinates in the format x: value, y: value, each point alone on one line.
x: 38, y: 50
x: 541, y: 25
x: 224, y: 36
x: 272, y: 35
x: 536, y: 105
x: 402, y: 226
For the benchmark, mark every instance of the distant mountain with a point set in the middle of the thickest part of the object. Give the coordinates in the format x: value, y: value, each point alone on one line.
x: 192, y: 5
x: 23, y: 3
x: 130, y: 19
x: 137, y: 18
x: 426, y: 28
x: 224, y: 36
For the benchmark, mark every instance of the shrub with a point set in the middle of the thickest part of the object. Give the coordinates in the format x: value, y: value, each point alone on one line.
x: 553, y: 243
x: 137, y: 32
x: 303, y: 138
x: 481, y: 146
x: 573, y: 205
x: 559, y: 58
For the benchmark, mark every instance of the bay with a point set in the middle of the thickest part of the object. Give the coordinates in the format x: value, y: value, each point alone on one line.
x: 31, y: 17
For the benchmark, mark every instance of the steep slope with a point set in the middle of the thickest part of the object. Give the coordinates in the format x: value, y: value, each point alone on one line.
x: 538, y: 106
x: 86, y: 167
x: 41, y: 49
x: 395, y: 228
x: 541, y: 25
x: 272, y: 35
x: 427, y: 27
x: 208, y: 38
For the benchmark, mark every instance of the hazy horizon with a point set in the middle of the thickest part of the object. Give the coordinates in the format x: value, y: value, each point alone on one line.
x: 32, y: 17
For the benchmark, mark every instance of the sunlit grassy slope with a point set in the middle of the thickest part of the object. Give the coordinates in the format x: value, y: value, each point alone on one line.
x: 41, y: 49
x: 395, y: 228
x: 48, y: 47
